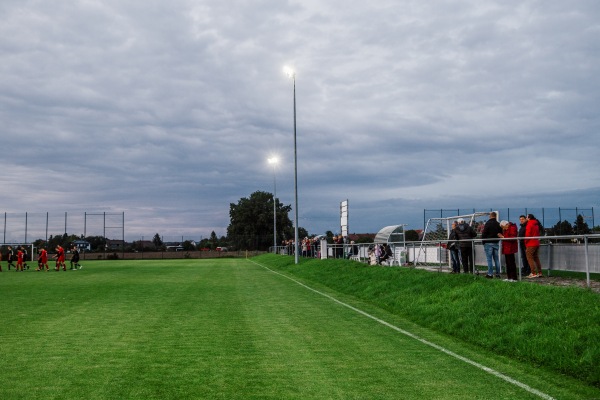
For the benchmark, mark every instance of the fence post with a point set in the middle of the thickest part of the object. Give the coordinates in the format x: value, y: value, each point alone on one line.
x: 549, y: 254
x: 440, y: 256
x: 587, y: 262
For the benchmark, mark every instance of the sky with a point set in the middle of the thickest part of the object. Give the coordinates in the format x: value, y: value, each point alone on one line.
x: 167, y: 112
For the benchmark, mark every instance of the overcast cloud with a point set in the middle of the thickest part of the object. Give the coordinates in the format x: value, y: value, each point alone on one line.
x: 168, y: 111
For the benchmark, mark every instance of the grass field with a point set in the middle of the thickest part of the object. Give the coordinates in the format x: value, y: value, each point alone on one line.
x: 233, y: 329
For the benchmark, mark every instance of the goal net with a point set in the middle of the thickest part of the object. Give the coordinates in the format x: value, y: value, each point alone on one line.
x: 432, y: 249
x: 29, y: 251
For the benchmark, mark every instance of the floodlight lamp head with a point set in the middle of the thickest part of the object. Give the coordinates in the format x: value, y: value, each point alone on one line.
x: 273, y: 160
x: 289, y: 72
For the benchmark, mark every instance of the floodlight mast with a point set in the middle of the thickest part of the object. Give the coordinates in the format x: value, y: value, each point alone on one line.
x: 274, y: 161
x: 292, y: 74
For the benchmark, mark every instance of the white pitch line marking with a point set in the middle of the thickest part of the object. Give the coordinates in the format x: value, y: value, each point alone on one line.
x: 420, y: 339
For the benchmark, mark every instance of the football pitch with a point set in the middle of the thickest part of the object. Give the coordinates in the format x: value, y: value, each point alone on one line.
x: 231, y: 329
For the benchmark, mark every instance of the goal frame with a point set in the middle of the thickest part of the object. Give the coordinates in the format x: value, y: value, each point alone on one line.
x: 432, y: 249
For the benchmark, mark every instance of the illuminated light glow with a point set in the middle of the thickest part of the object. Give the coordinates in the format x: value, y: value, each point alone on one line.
x: 289, y: 72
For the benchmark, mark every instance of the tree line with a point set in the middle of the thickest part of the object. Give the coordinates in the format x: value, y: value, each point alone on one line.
x: 251, y: 228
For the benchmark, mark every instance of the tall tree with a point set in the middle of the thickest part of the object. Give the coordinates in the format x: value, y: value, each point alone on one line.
x: 581, y: 227
x: 158, y: 243
x: 561, y: 228
x: 251, y: 222
x: 214, y: 241
x: 97, y: 243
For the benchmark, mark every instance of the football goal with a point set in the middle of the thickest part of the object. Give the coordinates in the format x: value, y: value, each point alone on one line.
x: 432, y: 249
x: 28, y: 249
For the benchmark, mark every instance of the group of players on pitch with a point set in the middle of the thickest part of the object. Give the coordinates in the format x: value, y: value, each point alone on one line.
x: 42, y: 259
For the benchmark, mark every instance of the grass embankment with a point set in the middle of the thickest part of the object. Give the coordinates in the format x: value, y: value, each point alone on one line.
x: 554, y: 327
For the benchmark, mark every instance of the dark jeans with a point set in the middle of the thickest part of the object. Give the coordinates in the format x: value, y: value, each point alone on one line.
x: 525, y: 268
x: 511, y: 266
x: 454, y: 258
x: 466, y: 253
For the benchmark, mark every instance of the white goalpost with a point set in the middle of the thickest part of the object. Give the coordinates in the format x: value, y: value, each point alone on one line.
x: 28, y: 247
x: 432, y: 249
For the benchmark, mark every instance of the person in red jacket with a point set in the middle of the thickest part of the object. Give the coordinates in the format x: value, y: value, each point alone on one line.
x: 532, y: 246
x: 509, y: 249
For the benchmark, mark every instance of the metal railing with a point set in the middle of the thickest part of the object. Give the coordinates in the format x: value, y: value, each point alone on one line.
x: 581, y: 254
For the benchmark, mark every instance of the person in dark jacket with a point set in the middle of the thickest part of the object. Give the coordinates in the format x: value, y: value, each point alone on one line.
x: 453, y: 248
x: 465, y: 234
x: 525, y: 269
x: 492, y: 232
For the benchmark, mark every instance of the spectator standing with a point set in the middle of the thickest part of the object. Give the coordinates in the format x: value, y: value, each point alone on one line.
x: 509, y: 248
x: 465, y: 234
x: 491, y: 244
x: 339, y: 246
x: 316, y: 246
x: 525, y: 269
x: 454, y: 251
x: 532, y: 246
x: 304, y: 247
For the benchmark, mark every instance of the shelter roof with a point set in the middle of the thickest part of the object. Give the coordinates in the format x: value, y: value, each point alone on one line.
x: 390, y: 234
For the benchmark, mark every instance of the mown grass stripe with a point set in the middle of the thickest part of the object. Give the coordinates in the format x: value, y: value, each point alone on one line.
x: 420, y: 339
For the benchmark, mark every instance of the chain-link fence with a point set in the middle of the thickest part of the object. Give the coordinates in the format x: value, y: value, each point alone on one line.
x: 549, y: 217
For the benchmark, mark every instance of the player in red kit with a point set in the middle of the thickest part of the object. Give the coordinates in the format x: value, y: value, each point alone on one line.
x: 60, y: 258
x: 19, y: 259
x: 42, y: 260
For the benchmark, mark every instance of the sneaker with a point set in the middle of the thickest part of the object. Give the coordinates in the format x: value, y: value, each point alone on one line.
x: 540, y: 275
x: 489, y: 276
x: 531, y: 276
x: 498, y: 276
